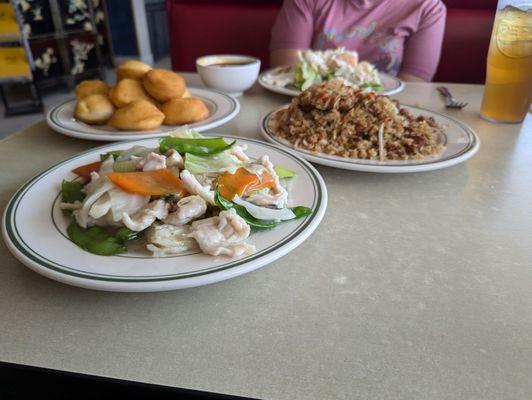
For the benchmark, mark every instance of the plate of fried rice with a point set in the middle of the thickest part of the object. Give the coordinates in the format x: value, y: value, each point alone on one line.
x: 341, y: 126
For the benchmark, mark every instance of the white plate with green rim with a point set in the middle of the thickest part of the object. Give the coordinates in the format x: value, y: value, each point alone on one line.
x: 222, y: 108
x: 390, y: 84
x: 461, y: 143
x: 34, y: 229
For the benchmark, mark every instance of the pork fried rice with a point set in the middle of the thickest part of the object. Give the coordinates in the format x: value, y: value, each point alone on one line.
x: 337, y: 119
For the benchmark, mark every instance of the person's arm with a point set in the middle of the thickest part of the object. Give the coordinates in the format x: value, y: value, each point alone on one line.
x: 423, y: 49
x: 283, y: 57
x: 292, y: 31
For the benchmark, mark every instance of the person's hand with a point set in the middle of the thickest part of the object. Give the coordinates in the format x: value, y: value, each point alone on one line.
x: 280, y: 58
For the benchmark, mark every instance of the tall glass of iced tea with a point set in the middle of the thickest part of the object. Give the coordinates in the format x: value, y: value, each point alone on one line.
x: 508, y: 90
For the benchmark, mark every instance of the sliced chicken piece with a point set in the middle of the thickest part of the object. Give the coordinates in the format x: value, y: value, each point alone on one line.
x: 138, y: 162
x: 152, y: 161
x: 207, y: 180
x: 174, y: 160
x: 124, y: 202
x: 105, y: 221
x: 238, y: 152
x: 265, y: 161
x: 254, y: 168
x: 269, y: 198
x: 169, y: 239
x: 107, y: 166
x: 157, y: 209
x: 225, y: 234
x: 93, y: 183
x: 188, y: 208
x: 276, y: 196
x: 193, y: 186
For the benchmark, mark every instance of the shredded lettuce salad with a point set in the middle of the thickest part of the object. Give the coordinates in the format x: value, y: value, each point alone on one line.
x: 319, y: 66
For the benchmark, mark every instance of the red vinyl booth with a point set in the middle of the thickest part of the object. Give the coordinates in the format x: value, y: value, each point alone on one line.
x: 200, y: 27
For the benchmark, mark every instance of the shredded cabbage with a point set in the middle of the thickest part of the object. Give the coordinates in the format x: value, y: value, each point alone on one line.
x: 186, y: 133
x: 125, y: 166
x: 324, y: 65
x: 216, y: 163
x: 305, y: 75
x: 138, y: 151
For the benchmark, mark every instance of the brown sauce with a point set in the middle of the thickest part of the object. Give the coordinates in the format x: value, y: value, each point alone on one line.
x: 231, y: 63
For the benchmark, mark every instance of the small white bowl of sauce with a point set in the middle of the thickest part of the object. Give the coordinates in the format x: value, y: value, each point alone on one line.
x: 229, y: 73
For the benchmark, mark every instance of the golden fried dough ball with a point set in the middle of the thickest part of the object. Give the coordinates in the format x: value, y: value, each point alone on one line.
x: 139, y: 115
x: 86, y: 88
x: 128, y: 90
x: 163, y: 84
x: 184, y: 111
x: 131, y: 69
x: 186, y: 94
x: 94, y: 109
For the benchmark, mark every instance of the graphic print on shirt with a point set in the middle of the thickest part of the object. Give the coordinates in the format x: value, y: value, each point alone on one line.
x: 388, y: 47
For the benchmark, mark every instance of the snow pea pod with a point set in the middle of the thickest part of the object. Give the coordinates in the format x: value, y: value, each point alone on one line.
x: 224, y: 204
x: 97, y: 240
x: 198, y: 147
x: 71, y: 191
x: 253, y: 222
x: 301, y: 211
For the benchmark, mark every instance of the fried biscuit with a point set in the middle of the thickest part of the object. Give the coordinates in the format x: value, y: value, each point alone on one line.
x: 86, y: 88
x: 184, y: 111
x: 128, y: 90
x: 164, y: 85
x: 131, y: 69
x: 139, y: 115
x: 94, y: 109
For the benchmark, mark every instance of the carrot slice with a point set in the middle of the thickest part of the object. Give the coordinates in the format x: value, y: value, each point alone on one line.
x: 242, y: 182
x: 85, y: 170
x: 149, y: 183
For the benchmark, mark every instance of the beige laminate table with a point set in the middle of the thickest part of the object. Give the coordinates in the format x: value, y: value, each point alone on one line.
x: 415, y: 286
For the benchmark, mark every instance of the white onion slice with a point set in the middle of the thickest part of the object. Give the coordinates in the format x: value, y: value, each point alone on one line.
x: 139, y: 151
x: 265, y: 213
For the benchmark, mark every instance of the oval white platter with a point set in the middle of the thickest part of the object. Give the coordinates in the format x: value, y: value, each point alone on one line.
x: 222, y: 108
x: 461, y: 143
x: 390, y: 84
x: 34, y: 229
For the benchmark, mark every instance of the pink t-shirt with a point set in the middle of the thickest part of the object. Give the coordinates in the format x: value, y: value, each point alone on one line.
x: 395, y: 35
